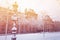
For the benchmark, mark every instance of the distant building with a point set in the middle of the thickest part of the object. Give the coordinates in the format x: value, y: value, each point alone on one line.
x: 47, y: 19
x: 48, y: 23
x: 24, y: 19
x: 31, y: 14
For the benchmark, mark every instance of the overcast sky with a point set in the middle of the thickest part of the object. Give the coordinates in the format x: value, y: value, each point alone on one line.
x: 52, y: 7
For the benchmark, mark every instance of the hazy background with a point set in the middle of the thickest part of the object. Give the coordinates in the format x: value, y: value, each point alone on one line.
x: 52, y: 7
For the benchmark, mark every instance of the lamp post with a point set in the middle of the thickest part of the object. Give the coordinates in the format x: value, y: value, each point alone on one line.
x: 19, y: 23
x: 14, y: 29
x: 6, y: 31
x: 14, y: 17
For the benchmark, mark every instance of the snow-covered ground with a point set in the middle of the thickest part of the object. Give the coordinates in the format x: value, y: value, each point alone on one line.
x: 34, y: 36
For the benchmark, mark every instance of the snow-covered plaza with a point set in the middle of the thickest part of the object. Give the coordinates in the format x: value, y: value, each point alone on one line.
x: 34, y: 36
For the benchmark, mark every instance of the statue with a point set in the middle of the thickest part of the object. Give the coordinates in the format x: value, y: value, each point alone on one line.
x: 15, y: 6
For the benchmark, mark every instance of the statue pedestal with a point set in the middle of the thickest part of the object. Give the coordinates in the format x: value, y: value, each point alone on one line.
x: 13, y: 38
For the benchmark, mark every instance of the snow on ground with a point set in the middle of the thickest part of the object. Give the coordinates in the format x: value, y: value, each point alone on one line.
x: 34, y: 36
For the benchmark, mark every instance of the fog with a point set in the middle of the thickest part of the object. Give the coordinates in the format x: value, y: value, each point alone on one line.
x: 52, y: 7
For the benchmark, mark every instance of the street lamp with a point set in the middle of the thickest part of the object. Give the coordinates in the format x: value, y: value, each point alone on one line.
x: 19, y: 23
x: 6, y: 31
x: 14, y: 17
x: 14, y: 29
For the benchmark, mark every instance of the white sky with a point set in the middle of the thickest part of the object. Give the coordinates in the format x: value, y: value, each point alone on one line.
x: 52, y: 7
